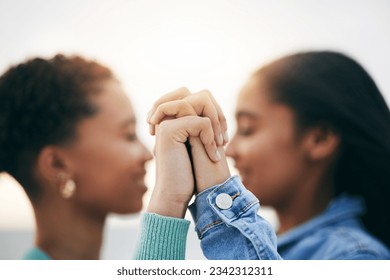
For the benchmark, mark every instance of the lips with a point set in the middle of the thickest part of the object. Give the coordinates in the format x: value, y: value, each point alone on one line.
x: 140, y: 182
x: 240, y: 169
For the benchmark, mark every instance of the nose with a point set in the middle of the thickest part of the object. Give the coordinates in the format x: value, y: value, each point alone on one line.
x: 231, y: 148
x: 146, y: 154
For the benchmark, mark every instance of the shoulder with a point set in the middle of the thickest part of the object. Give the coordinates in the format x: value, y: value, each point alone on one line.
x: 36, y: 254
x: 349, y: 243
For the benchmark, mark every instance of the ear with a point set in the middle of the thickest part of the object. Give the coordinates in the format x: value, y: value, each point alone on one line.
x: 321, y: 143
x: 51, y: 162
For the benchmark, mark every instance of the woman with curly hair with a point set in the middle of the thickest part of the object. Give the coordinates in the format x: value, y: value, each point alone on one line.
x: 68, y: 136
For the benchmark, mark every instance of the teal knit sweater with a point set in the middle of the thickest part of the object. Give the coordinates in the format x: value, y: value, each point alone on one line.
x: 162, y: 238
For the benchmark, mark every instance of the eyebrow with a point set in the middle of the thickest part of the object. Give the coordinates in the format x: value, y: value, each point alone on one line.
x: 248, y: 114
x: 129, y: 121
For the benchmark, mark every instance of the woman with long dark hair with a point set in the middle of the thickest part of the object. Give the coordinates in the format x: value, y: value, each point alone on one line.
x: 313, y: 142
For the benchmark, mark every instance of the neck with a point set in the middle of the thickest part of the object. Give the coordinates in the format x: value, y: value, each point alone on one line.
x: 309, y: 200
x: 65, y: 231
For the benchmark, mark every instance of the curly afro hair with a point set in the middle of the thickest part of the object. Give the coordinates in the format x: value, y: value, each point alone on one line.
x: 41, y: 102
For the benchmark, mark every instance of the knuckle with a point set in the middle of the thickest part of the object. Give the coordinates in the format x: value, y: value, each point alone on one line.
x: 164, y: 126
x: 205, y: 92
x: 211, y: 143
x: 184, y: 90
x: 156, y: 104
x: 183, y: 108
x: 222, y: 119
x: 161, y: 108
x: 166, y: 129
x: 214, y: 116
x: 206, y: 122
x: 183, y: 103
x: 208, y: 139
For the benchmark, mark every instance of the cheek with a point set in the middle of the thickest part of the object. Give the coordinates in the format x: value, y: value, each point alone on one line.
x: 101, y: 166
x: 105, y: 180
x: 259, y: 151
x: 270, y: 166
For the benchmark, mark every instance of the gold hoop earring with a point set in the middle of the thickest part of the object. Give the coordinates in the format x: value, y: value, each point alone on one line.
x: 68, y: 189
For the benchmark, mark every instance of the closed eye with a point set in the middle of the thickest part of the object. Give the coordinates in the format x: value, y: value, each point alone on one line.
x: 131, y: 137
x: 245, y: 131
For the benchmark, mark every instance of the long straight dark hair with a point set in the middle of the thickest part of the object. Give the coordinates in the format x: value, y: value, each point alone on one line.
x: 330, y: 88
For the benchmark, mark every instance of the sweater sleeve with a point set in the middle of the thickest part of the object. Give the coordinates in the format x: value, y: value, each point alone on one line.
x: 162, y: 238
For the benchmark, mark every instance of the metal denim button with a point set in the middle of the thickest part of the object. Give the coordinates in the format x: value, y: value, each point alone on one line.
x: 224, y: 201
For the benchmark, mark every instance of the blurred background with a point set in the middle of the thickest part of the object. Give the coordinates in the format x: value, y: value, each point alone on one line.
x: 157, y: 46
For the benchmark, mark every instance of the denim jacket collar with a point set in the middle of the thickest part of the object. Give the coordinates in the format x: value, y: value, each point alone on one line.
x: 343, y: 207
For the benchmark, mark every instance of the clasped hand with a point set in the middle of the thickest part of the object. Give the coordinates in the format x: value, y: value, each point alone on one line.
x: 175, y: 118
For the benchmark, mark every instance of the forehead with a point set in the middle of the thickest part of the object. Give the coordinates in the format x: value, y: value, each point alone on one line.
x: 254, y: 102
x: 252, y: 98
x: 114, y: 114
x: 113, y: 102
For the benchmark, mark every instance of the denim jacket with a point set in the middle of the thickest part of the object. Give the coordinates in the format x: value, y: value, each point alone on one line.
x: 227, y: 222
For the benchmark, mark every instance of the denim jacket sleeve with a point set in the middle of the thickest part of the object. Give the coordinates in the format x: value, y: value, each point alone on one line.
x: 230, y: 228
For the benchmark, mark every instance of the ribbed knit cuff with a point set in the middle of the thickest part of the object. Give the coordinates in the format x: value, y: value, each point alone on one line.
x: 162, y: 238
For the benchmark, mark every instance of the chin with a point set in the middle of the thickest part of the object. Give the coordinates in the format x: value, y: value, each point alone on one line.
x: 131, y: 208
x: 136, y: 209
x: 246, y: 182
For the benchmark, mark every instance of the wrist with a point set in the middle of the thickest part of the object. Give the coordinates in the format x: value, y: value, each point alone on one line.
x: 164, y: 205
x: 213, y: 174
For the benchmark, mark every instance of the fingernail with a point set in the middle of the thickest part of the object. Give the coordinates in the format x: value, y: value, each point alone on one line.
x: 217, y: 155
x: 151, y: 129
x: 152, y: 119
x: 148, y: 116
x: 220, y: 139
x: 226, y: 136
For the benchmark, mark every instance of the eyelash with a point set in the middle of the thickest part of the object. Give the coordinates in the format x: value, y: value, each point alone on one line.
x: 244, y: 131
x: 131, y: 137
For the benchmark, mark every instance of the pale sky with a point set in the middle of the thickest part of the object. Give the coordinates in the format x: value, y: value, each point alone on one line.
x: 157, y: 46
